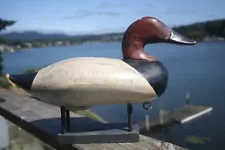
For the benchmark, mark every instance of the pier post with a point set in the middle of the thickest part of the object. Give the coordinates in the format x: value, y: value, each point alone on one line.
x: 147, y: 122
x: 188, y: 98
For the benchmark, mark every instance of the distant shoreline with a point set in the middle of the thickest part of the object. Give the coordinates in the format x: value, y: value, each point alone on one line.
x: 10, y: 48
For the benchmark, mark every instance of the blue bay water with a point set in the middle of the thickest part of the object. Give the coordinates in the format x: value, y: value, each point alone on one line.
x: 197, y: 69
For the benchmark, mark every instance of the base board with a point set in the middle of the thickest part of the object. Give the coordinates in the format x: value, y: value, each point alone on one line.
x: 104, y: 136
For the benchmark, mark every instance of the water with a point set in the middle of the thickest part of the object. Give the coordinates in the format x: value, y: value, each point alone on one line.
x: 196, y: 69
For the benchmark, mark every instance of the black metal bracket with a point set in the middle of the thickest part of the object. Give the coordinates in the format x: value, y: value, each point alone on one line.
x: 111, y: 135
x: 130, y: 112
x: 65, y: 120
x: 147, y: 105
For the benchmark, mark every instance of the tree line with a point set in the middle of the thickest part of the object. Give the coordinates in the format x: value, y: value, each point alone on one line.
x: 199, y: 31
x: 3, y: 25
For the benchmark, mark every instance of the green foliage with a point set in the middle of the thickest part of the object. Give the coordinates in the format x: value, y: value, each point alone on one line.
x: 4, y: 83
x: 197, y: 140
x: 17, y: 43
x: 5, y: 23
x: 2, y: 41
x: 1, y: 66
x: 91, y: 115
x: 201, y: 30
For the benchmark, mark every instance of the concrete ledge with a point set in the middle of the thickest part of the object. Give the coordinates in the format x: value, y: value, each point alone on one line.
x: 41, y: 120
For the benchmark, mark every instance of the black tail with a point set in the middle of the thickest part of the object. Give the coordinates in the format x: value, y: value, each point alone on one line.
x: 23, y: 80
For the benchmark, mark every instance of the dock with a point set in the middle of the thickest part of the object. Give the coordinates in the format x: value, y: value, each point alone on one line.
x: 190, y: 112
x: 42, y: 121
x: 180, y: 115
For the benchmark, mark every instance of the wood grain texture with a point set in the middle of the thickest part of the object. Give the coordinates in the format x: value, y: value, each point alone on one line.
x: 40, y: 119
x: 89, y: 81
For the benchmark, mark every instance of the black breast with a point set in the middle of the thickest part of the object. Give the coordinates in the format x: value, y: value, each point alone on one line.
x: 23, y: 80
x: 153, y: 71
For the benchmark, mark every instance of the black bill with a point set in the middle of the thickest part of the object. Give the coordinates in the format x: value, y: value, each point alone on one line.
x: 180, y: 39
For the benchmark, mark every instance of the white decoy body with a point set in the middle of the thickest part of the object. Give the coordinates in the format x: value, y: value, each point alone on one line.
x: 87, y: 81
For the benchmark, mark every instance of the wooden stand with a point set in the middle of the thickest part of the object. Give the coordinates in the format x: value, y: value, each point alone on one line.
x: 111, y: 134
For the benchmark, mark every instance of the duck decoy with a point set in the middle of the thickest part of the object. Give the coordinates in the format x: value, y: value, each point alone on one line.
x: 86, y: 81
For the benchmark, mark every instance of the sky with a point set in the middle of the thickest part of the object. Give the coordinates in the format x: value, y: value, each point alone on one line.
x: 103, y: 16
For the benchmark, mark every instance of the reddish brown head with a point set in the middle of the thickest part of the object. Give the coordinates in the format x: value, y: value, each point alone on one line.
x: 145, y: 31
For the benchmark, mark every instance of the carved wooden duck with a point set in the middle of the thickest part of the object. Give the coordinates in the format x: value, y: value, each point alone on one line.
x: 88, y: 81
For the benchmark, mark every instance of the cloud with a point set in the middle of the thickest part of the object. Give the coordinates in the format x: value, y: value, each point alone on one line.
x: 104, y: 5
x: 179, y: 11
x: 80, y: 14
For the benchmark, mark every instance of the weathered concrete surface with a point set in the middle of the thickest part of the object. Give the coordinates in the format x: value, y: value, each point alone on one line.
x: 27, y: 113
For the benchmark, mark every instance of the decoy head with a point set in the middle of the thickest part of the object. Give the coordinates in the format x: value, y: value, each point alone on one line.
x: 149, y: 30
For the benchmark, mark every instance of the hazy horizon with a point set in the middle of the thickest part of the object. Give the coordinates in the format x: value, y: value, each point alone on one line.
x: 101, y: 16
